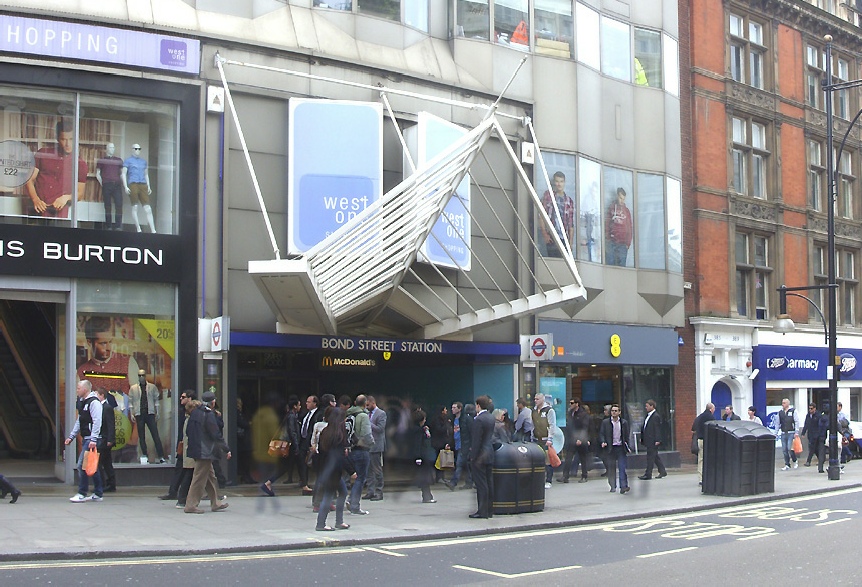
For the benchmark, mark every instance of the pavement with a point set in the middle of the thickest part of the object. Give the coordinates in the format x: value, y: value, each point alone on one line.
x: 45, y: 525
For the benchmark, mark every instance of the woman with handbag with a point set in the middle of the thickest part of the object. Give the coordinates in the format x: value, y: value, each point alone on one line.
x: 284, y: 445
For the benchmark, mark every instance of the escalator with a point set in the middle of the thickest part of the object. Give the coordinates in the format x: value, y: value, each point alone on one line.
x: 27, y: 379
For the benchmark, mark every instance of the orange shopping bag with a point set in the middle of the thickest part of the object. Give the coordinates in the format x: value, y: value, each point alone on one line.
x: 797, y: 445
x: 91, y: 461
x: 553, y: 457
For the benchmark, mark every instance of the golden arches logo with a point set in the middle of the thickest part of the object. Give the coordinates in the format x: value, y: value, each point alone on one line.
x: 327, y: 361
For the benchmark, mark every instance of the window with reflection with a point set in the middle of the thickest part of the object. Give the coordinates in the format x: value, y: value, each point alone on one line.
x: 92, y: 161
x: 390, y: 9
x: 474, y: 19
x: 558, y: 202
x: 616, y: 49
x: 647, y: 64
x: 671, y: 64
x: 554, y: 28
x: 589, y: 49
x: 590, y: 215
x: 512, y: 23
x: 651, y: 228
x: 619, y: 219
x: 674, y: 225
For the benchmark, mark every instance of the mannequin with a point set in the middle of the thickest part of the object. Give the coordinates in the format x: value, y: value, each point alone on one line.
x: 145, y: 409
x: 108, y: 171
x: 136, y: 181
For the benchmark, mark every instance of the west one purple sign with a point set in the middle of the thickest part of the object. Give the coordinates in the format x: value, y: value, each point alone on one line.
x: 66, y: 40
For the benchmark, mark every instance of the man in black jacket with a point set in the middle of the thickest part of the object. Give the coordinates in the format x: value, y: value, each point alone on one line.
x: 651, y: 437
x: 462, y: 429
x: 577, y: 441
x: 483, y: 457
x: 108, y: 440
x: 728, y: 415
x: 815, y: 429
x: 182, y: 478
x: 699, y: 428
x: 613, y: 436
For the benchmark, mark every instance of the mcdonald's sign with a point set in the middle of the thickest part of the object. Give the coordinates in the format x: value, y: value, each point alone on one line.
x: 347, y: 363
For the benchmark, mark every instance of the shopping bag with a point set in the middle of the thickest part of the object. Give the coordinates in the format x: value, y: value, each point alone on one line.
x: 797, y: 445
x: 446, y: 458
x: 278, y: 448
x: 553, y: 457
x: 91, y: 461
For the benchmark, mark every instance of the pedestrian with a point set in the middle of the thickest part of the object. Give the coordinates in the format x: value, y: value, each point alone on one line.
x: 651, y: 434
x: 524, y: 421
x: 243, y: 444
x: 107, y: 441
x: 441, y: 437
x: 462, y: 432
x: 577, y: 441
x: 423, y: 455
x: 501, y: 430
x: 332, y: 451
x: 728, y: 415
x: 310, y: 417
x: 544, y: 427
x: 327, y: 404
x: 206, y: 444
x: 788, y: 426
x: 359, y: 441
x: 613, y: 436
x: 89, y: 424
x: 289, y: 431
x: 815, y: 434
x: 180, y: 479
x: 186, y: 461
x: 374, y: 483
x: 699, y: 428
x: 6, y: 488
x: 752, y: 415
x: 483, y: 457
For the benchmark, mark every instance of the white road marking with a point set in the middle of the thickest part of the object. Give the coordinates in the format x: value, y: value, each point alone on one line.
x: 514, y: 575
x: 382, y: 551
x: 664, y: 552
x: 833, y: 522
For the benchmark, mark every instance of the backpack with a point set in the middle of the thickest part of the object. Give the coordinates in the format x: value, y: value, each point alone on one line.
x: 350, y: 425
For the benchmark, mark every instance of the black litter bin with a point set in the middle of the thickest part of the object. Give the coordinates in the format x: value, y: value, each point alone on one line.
x: 738, y: 458
x: 519, y: 479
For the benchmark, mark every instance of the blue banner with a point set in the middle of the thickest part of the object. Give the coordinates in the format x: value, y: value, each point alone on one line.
x: 790, y: 363
x: 335, y: 166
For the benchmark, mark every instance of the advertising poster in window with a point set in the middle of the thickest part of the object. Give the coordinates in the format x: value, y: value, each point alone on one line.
x: 335, y: 166
x: 554, y: 390
x: 132, y: 359
x: 557, y: 201
x: 448, y: 243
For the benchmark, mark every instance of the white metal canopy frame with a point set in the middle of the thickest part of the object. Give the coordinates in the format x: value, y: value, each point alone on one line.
x: 370, y: 278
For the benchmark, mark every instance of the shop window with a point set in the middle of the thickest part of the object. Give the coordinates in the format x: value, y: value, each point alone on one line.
x: 816, y: 175
x: 619, y: 218
x: 589, y: 48
x: 123, y: 327
x: 616, y: 49
x: 558, y: 202
x: 474, y: 19
x: 674, y: 225
x: 512, y: 23
x: 647, y: 64
x: 71, y: 171
x: 747, y: 50
x: 655, y: 383
x: 749, y: 157
x: 650, y: 221
x: 589, y: 211
x: 554, y: 28
x: 753, y: 275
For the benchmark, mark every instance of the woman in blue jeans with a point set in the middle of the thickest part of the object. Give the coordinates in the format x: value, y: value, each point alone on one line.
x: 332, y: 451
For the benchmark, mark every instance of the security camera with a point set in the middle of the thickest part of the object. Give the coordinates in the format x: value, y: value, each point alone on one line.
x: 754, y: 374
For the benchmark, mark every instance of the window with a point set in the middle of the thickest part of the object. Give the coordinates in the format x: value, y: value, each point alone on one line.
x: 554, y: 28
x: 671, y: 64
x: 747, y: 51
x: 71, y: 172
x: 588, y: 46
x: 512, y: 23
x: 557, y: 201
x: 749, y: 157
x: 390, y: 9
x: 616, y: 49
x: 816, y: 175
x: 841, y: 107
x: 674, y: 225
x: 647, y: 62
x: 474, y: 19
x: 619, y: 218
x: 845, y: 183
x: 819, y: 269
x: 845, y: 276
x: 589, y: 211
x: 415, y: 12
x: 651, y: 227
x: 815, y: 64
x: 753, y: 270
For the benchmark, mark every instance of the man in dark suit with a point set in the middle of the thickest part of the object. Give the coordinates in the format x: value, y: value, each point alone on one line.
x: 310, y: 417
x: 613, y: 436
x: 651, y: 437
x: 483, y: 457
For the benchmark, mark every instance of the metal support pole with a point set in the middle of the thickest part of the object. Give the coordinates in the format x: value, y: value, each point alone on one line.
x: 833, y: 369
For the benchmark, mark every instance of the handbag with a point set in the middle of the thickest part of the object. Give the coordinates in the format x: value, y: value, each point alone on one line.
x: 91, y: 461
x: 278, y: 448
x: 797, y: 445
x: 553, y: 457
x: 695, y: 449
x: 445, y: 460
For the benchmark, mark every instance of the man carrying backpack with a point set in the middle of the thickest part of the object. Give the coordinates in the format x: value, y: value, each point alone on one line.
x: 360, y: 440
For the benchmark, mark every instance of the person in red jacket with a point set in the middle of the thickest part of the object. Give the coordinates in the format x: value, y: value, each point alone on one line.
x: 620, y: 230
